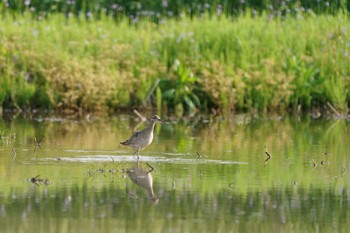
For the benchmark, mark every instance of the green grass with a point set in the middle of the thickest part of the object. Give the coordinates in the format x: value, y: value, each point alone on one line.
x: 246, y: 64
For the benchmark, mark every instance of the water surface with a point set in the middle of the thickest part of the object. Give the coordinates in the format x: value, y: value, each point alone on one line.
x: 205, y: 174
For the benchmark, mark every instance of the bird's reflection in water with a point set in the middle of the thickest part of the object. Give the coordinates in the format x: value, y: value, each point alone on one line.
x: 143, y: 178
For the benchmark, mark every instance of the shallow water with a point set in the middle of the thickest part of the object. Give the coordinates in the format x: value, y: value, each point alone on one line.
x: 200, y: 175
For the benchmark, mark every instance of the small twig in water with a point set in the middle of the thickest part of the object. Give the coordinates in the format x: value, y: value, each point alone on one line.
x: 140, y: 115
x: 344, y: 169
x: 314, y: 163
x: 333, y: 109
x: 268, y: 155
x: 13, y: 153
x: 155, y: 85
x: 198, y: 155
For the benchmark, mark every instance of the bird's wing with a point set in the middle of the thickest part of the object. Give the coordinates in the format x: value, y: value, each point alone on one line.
x: 132, y: 138
x: 136, y: 134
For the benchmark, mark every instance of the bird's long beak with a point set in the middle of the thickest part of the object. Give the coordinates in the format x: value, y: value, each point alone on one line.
x: 161, y: 121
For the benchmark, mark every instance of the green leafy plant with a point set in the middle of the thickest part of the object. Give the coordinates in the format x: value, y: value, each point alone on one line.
x: 23, y: 93
x: 4, y: 89
x: 180, y: 92
x: 307, y: 83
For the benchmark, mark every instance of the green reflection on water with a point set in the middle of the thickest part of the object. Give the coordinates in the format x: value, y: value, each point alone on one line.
x: 114, y: 208
x: 95, y: 185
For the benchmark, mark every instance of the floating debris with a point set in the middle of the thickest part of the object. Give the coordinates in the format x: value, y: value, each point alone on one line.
x: 36, y: 180
x: 269, y: 156
x: 103, y: 169
x: 314, y: 163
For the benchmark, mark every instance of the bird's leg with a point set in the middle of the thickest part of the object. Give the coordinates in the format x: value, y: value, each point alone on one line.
x: 137, y: 152
x: 150, y: 168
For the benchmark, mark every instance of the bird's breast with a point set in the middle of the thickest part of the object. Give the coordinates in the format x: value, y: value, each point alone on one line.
x: 150, y: 139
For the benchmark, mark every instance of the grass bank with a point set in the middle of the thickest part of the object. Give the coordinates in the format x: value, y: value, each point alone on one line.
x: 261, y: 63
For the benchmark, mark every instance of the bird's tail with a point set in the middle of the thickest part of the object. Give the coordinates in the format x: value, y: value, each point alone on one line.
x: 125, y: 143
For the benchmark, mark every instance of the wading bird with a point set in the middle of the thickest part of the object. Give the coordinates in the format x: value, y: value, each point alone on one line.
x: 143, y: 138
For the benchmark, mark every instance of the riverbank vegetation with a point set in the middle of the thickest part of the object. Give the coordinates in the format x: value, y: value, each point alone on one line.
x: 259, y: 61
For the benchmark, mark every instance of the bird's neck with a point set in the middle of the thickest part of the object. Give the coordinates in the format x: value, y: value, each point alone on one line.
x: 151, y: 125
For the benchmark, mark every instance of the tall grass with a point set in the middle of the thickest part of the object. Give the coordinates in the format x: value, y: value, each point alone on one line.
x: 264, y: 63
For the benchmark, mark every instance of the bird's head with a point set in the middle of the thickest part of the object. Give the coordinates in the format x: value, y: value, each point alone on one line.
x: 156, y: 118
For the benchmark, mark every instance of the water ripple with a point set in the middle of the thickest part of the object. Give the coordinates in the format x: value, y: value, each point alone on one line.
x: 130, y: 158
